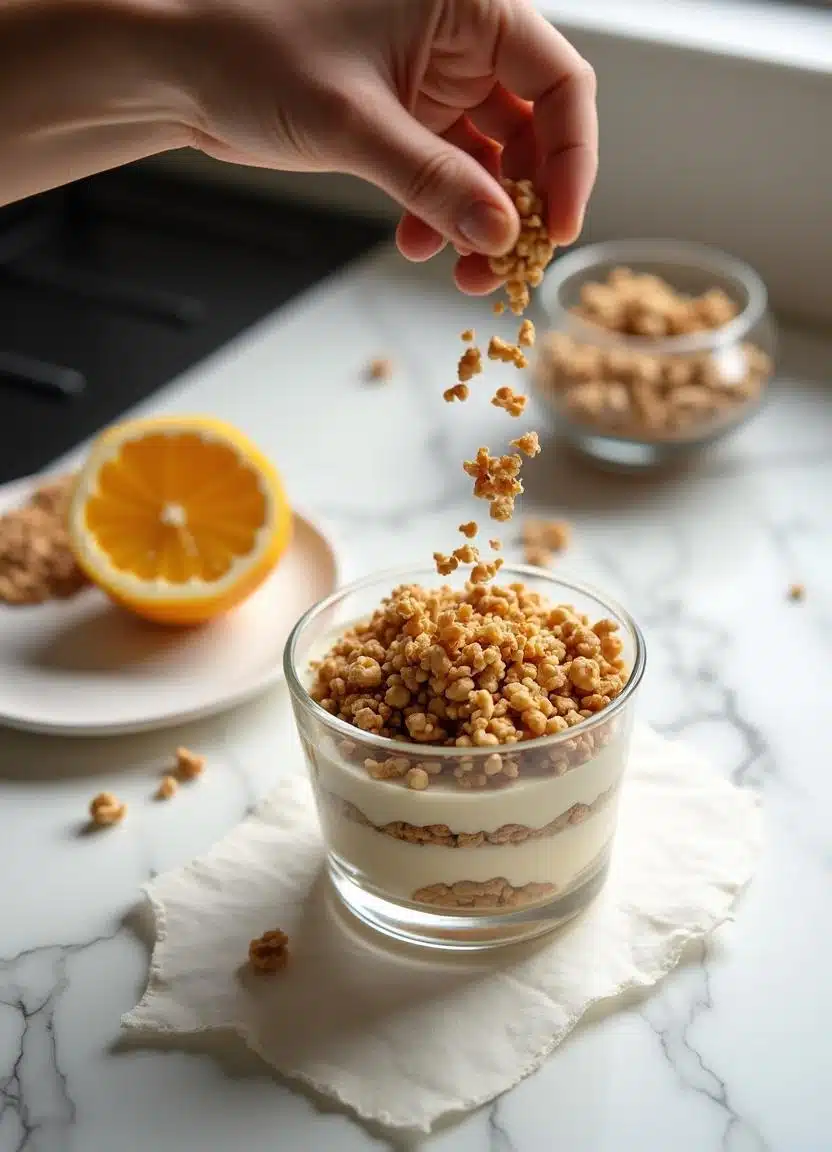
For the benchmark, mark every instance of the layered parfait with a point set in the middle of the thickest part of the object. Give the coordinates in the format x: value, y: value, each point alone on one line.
x: 495, y: 783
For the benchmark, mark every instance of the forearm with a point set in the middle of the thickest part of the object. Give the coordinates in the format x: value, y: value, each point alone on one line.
x: 85, y: 85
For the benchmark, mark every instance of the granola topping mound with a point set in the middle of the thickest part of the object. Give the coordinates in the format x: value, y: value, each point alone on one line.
x: 477, y: 667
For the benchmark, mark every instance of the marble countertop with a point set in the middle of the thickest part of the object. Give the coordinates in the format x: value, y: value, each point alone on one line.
x: 734, y: 1050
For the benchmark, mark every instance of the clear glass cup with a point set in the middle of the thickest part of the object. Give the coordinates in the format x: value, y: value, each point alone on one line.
x: 457, y: 868
x: 638, y: 401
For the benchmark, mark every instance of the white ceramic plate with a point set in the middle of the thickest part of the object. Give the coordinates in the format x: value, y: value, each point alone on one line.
x: 83, y: 667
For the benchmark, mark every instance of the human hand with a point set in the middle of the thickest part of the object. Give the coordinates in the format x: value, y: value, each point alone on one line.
x: 430, y: 100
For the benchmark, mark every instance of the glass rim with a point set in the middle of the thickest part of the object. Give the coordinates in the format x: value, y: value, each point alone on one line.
x: 680, y: 252
x: 387, y: 744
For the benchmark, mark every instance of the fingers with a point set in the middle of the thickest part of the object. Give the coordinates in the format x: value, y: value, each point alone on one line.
x: 416, y: 239
x: 539, y: 65
x: 430, y: 177
x: 503, y: 116
x: 473, y: 275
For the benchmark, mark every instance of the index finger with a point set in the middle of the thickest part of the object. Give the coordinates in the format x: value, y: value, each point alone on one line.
x: 538, y: 64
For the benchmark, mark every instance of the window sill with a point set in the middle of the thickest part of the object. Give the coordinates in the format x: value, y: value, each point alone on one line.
x: 792, y: 34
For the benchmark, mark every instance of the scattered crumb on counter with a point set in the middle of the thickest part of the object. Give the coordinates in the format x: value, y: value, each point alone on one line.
x: 269, y: 952
x: 188, y: 764
x: 380, y: 369
x: 168, y: 786
x: 106, y: 809
x: 797, y: 592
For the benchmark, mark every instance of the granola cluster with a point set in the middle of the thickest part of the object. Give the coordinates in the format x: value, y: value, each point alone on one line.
x: 523, y: 267
x: 36, y: 562
x: 473, y: 668
x: 635, y: 392
x: 510, y: 401
x: 497, y: 480
x: 506, y: 352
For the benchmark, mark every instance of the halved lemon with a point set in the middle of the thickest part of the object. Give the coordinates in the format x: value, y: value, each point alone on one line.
x: 178, y: 518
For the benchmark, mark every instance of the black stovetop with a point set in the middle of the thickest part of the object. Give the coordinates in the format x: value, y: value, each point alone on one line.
x: 113, y: 286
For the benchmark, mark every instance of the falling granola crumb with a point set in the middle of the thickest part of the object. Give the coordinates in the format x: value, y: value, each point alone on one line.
x: 499, y: 349
x: 470, y: 364
x: 466, y: 554
x: 106, y: 809
x: 445, y: 565
x: 797, y: 591
x: 168, y: 786
x: 495, y: 544
x: 496, y: 480
x: 485, y: 570
x: 528, y: 444
x: 510, y: 401
x: 269, y: 952
x: 498, y: 307
x: 188, y: 764
x: 380, y: 369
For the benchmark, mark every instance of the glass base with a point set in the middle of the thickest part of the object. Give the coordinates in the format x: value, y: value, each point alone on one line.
x: 473, y: 931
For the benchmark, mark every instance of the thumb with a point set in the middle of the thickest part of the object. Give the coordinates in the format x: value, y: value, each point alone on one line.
x: 431, y: 178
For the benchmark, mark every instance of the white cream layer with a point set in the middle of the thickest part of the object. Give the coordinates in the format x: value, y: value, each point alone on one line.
x: 399, y: 869
x: 532, y: 802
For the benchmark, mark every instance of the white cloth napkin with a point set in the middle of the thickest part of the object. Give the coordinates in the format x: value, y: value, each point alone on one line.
x: 403, y: 1035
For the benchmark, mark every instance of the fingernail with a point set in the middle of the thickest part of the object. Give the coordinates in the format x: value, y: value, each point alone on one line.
x: 486, y: 228
x: 570, y: 235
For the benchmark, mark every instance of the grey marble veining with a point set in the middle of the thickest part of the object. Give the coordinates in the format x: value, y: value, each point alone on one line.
x: 733, y: 1052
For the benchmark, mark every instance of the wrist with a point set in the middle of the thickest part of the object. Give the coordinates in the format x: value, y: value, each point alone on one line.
x: 122, y: 54
x: 86, y: 85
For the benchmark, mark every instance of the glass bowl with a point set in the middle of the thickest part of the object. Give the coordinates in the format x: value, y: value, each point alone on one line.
x: 635, y: 401
x: 452, y: 867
